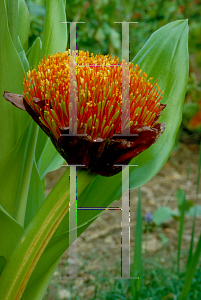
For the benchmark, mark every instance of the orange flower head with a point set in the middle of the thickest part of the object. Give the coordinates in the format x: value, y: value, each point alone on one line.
x: 97, y: 88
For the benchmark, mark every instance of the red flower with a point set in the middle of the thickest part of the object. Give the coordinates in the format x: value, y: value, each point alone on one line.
x: 99, y: 80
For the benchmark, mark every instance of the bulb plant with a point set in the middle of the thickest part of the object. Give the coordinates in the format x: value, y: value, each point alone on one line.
x: 34, y: 229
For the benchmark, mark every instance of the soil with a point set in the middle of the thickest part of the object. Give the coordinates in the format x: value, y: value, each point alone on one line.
x: 99, y: 247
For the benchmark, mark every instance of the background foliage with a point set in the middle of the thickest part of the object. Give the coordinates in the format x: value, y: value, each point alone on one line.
x: 100, y: 34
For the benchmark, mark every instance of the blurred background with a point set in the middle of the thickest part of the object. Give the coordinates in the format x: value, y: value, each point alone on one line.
x: 162, y: 197
x: 99, y: 34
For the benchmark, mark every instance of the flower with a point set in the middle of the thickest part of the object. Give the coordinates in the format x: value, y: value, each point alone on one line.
x: 148, y: 217
x: 99, y: 105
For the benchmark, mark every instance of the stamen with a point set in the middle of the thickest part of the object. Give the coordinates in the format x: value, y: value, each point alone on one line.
x: 99, y: 98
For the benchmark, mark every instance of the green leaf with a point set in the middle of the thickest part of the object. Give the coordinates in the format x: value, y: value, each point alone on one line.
x: 15, y: 174
x: 23, y: 22
x: 22, y: 56
x: 36, y: 195
x: 194, y: 211
x: 60, y: 241
x: 42, y: 142
x: 38, y: 289
x: 50, y: 257
x: 24, y: 61
x: 34, y: 53
x: 12, y: 12
x: 11, y: 79
x: 47, y: 157
x: 51, y: 160
x: 33, y: 242
x: 164, y: 57
x: 191, y: 271
x: 180, y: 194
x: 162, y: 214
x: 190, y: 253
x: 54, y: 40
x: 36, y: 9
x: 55, y: 33
x: 137, y: 261
x: 181, y: 229
x: 164, y: 240
x: 2, y: 263
x: 35, y: 238
x: 10, y: 232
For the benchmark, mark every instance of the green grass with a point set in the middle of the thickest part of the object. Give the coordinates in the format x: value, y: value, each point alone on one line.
x: 157, y: 284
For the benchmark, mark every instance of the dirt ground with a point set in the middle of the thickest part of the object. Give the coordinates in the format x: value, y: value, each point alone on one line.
x: 99, y: 247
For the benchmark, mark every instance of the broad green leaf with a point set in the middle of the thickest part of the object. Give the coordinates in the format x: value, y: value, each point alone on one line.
x: 10, y: 232
x: 194, y: 211
x: 34, y: 53
x: 47, y: 157
x: 36, y: 195
x: 50, y: 257
x: 13, y: 17
x: 2, y: 263
x: 36, y: 9
x: 42, y: 142
x: 54, y: 40
x: 163, y: 214
x: 11, y: 79
x: 35, y: 238
x: 34, y: 241
x: 15, y: 174
x: 23, y: 22
x: 55, y: 33
x: 38, y: 289
x: 24, y: 61
x: 51, y: 160
x: 164, y: 240
x: 164, y: 57
x: 22, y: 56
